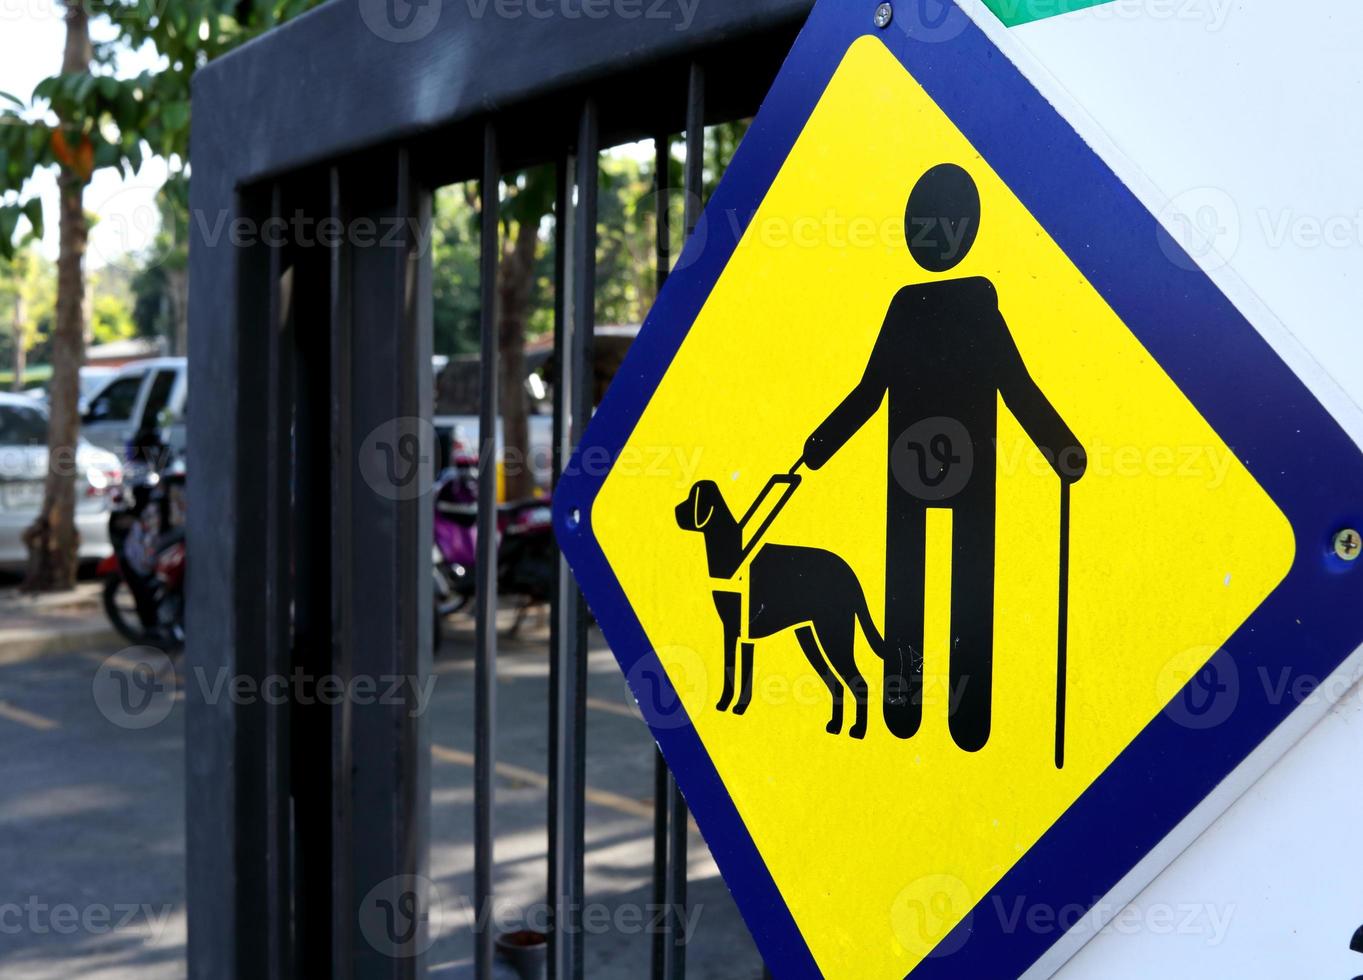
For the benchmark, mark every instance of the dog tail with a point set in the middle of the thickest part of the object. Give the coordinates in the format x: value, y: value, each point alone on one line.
x: 873, y: 637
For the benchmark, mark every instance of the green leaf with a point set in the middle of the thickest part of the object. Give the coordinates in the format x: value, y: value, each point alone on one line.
x: 9, y: 221
x: 132, y: 156
x: 11, y: 98
x: 47, y: 88
x: 175, y: 116
x: 127, y: 110
x: 39, y: 139
x: 33, y: 211
x: 106, y: 154
x: 82, y: 86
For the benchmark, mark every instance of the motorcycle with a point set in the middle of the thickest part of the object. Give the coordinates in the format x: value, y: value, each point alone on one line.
x: 525, y: 544
x: 144, y: 578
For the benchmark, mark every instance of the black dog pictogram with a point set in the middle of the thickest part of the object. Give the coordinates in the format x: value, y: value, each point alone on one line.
x: 810, y: 590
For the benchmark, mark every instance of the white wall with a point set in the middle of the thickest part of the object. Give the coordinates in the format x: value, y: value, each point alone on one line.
x: 1242, y: 118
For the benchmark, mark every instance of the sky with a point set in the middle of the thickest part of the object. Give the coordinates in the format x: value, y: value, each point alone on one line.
x: 31, y: 40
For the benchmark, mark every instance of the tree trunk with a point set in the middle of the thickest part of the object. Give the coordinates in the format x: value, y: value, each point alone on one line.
x: 515, y: 282
x: 52, y: 539
x: 20, y: 352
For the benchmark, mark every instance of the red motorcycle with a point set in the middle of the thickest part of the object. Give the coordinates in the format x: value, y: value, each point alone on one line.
x: 144, y: 579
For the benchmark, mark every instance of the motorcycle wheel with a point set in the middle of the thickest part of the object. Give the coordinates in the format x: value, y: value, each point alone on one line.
x: 171, y: 629
x: 449, y: 598
x: 121, y: 608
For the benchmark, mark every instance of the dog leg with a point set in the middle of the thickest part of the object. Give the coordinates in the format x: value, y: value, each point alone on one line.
x: 838, y: 642
x: 727, y: 695
x: 858, y: 685
x: 815, y: 656
x: 730, y: 608
x: 745, y: 695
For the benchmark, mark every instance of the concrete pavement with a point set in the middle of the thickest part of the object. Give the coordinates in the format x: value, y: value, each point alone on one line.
x: 62, y: 622
x: 92, y: 849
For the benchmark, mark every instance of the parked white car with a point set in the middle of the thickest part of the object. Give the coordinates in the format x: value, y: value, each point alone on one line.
x: 133, y: 400
x: 92, y: 379
x: 23, y: 472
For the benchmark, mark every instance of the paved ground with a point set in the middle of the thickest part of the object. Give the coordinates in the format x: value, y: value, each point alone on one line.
x: 92, y: 842
x: 62, y: 622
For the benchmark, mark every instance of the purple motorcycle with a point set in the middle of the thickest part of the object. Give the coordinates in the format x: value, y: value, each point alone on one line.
x: 525, y: 543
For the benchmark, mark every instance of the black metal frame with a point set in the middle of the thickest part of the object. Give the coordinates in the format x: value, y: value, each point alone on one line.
x: 298, y: 352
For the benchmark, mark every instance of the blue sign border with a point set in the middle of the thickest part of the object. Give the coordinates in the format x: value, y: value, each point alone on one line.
x: 1289, y: 442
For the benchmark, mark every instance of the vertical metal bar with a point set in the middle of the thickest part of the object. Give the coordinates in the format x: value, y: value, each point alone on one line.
x: 228, y: 308
x: 310, y: 721
x: 662, y: 797
x: 343, y: 456
x: 584, y: 403
x: 577, y: 319
x: 662, y: 246
x: 226, y: 777
x: 563, y: 621
x: 695, y: 147
x: 485, y: 675
x: 417, y: 537
x: 391, y: 508
x: 662, y: 778
x: 574, y: 400
x: 678, y: 818
x: 278, y: 582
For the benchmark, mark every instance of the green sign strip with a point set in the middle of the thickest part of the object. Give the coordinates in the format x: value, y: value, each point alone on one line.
x: 1015, y: 12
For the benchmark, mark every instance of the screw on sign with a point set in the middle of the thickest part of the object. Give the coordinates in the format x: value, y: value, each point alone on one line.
x: 941, y: 529
x: 1348, y: 544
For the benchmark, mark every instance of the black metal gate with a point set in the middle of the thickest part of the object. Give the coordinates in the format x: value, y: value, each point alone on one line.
x: 303, y: 344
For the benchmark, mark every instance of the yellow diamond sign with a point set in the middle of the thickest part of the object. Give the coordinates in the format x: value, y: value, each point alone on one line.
x: 930, y: 546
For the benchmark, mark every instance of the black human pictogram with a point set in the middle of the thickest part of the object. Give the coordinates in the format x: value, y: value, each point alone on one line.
x: 942, y: 358
x: 808, y: 589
